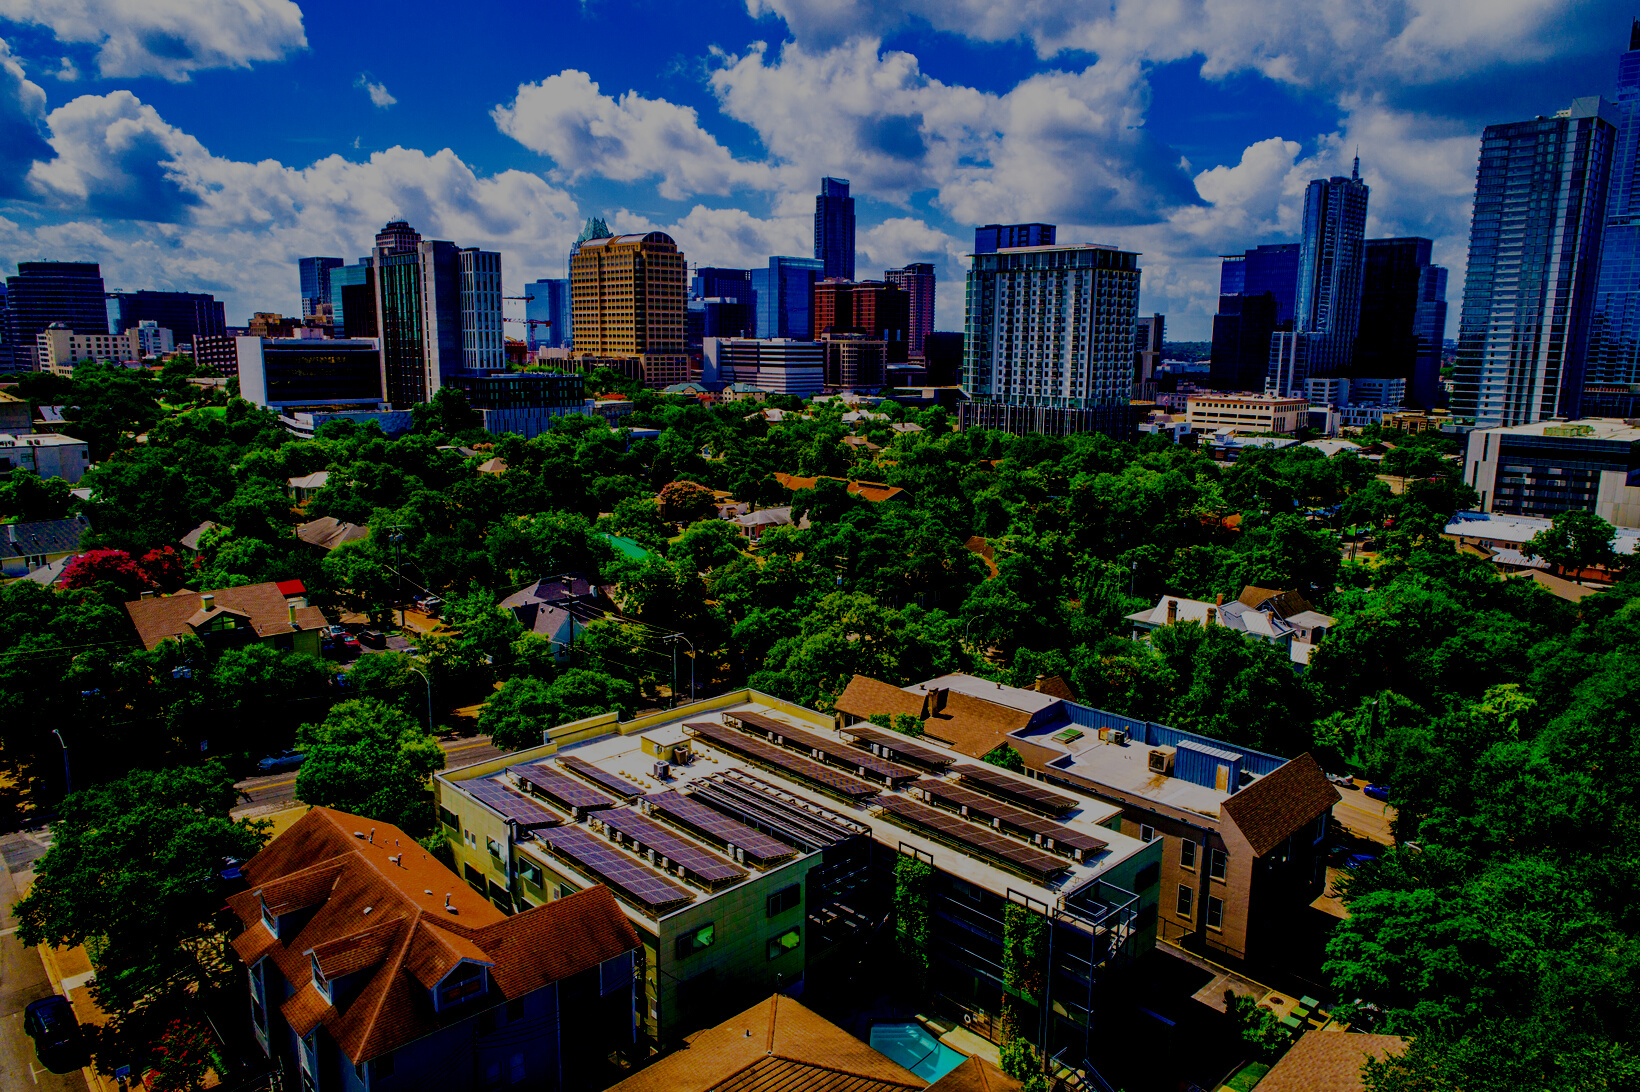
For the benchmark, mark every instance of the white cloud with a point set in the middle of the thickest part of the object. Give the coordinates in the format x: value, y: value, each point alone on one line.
x: 378, y: 93
x: 585, y: 132
x: 22, y: 123
x: 168, y: 38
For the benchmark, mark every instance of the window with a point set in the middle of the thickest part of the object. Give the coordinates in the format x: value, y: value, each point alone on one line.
x: 785, y: 942
x: 474, y: 877
x: 1215, y: 912
x: 1186, y: 903
x: 697, y: 940
x: 515, y: 1068
x: 1147, y: 833
x: 268, y: 920
x: 785, y: 899
x: 448, y: 818
x: 1187, y: 854
x: 1217, y: 862
x: 467, y: 980
x: 492, y: 1075
x: 529, y: 873
x: 494, y: 847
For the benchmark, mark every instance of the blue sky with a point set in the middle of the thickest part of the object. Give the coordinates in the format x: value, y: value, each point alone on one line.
x: 205, y: 145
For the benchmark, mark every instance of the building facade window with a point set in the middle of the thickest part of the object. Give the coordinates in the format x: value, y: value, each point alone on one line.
x: 696, y: 940
x: 1186, y: 903
x: 785, y: 899
x: 1147, y: 833
x: 1215, y: 912
x: 1187, y: 855
x: 785, y: 942
x: 1218, y: 862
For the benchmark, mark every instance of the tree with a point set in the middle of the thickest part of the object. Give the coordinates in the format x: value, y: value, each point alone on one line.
x: 28, y: 497
x: 371, y: 759
x: 707, y: 545
x: 1576, y: 540
x: 134, y: 867
x: 1006, y: 757
x: 526, y: 706
x: 166, y: 568
x: 685, y: 502
x: 113, y: 567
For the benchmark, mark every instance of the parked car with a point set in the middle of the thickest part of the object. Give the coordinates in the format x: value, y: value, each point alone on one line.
x: 51, y: 1023
x: 373, y: 638
x: 279, y: 763
x: 349, y: 643
x: 1344, y: 780
x: 1356, y: 860
x: 1378, y: 792
x: 334, y: 631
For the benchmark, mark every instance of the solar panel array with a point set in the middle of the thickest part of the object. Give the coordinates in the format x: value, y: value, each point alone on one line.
x: 759, y: 804
x: 1040, y: 866
x: 511, y: 803
x: 714, y: 826
x: 560, y: 788
x: 638, y: 882
x: 667, y: 848
x: 620, y: 786
x: 1025, y: 792
x: 781, y: 759
x: 835, y: 749
x: 900, y: 745
x: 1053, y: 835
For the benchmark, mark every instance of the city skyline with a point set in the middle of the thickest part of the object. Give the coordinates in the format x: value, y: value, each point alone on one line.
x: 205, y: 170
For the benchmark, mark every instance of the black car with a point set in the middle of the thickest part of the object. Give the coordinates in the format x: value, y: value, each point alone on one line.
x: 50, y: 1022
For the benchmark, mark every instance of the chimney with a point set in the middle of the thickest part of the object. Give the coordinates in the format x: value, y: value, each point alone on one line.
x: 1172, y: 611
x: 1218, y: 600
x: 447, y: 905
x: 292, y: 608
x: 1212, y: 615
x: 927, y: 705
x: 1040, y: 679
x: 146, y: 595
x: 938, y: 694
x: 207, y: 602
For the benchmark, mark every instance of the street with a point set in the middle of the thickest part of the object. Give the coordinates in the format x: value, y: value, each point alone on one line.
x: 1363, y: 816
x: 22, y: 980
x: 275, y: 792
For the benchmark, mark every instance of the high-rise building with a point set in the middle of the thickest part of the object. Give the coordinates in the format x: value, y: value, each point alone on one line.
x: 918, y: 281
x: 1270, y: 267
x: 1327, y: 309
x: 46, y: 292
x: 994, y: 237
x: 629, y: 296
x: 1147, y: 353
x: 397, y: 237
x: 1534, y: 260
x: 1241, y: 341
x: 784, y: 297
x: 418, y: 299
x: 942, y: 358
x: 1049, y: 339
x: 834, y: 229
x: 188, y: 315
x: 1403, y: 317
x: 483, y: 344
x: 854, y: 362
x: 315, y: 277
x: 874, y: 309
x: 717, y: 317
x: 1614, y: 333
x: 710, y: 282
x: 353, y: 300
x: 595, y: 228
x: 547, y: 311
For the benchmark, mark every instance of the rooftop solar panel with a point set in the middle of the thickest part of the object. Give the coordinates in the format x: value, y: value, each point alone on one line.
x: 1049, y: 834
x: 667, y: 848
x: 511, y: 803
x: 713, y: 825
x: 614, y: 783
x: 900, y: 745
x: 638, y: 882
x: 1026, y: 792
x: 761, y: 805
x: 781, y: 759
x: 836, y: 750
x: 560, y: 788
x: 1033, y: 862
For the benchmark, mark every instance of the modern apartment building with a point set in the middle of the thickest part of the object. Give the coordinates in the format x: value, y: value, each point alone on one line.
x: 1614, y: 333
x: 1210, y: 411
x: 1548, y: 467
x: 834, y: 230
x: 483, y: 343
x: 314, y: 275
x: 855, y: 362
x: 754, y: 846
x: 1534, y: 260
x: 994, y: 237
x: 917, y: 279
x: 1147, y: 353
x: 188, y: 315
x: 524, y: 403
x: 46, y: 292
x: 547, y: 312
x: 307, y: 373
x: 776, y: 365
x: 784, y: 297
x: 1403, y: 317
x: 629, y: 303
x: 1049, y: 339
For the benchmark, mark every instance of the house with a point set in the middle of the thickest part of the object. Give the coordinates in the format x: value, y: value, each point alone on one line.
x: 876, y: 492
x: 1565, y: 589
x: 494, y: 466
x: 371, y: 965
x: 1281, y: 618
x: 1241, y: 833
x: 228, y: 617
x: 557, y: 608
x: 190, y: 541
x: 328, y: 532
x: 1329, y: 1061
x: 15, y: 418
x: 48, y: 454
x: 26, y: 548
x: 754, y: 525
x: 304, y: 488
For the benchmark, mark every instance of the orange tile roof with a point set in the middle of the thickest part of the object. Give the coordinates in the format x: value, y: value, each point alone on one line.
x: 968, y: 724
x: 263, y: 605
x: 871, y: 491
x: 378, y: 909
x: 976, y: 1075
x: 1280, y: 803
x: 306, y: 1009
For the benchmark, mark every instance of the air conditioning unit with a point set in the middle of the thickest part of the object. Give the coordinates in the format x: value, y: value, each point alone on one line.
x: 1161, y: 760
x: 1118, y: 736
x: 663, y: 771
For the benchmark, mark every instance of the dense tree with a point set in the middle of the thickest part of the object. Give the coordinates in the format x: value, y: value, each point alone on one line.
x: 371, y: 759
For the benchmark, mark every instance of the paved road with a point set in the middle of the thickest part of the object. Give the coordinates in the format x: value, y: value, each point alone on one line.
x: 277, y: 791
x: 1363, y: 815
x: 23, y: 979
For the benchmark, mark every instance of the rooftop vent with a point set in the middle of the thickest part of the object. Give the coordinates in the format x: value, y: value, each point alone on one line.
x: 358, y: 834
x: 447, y: 905
x: 207, y: 602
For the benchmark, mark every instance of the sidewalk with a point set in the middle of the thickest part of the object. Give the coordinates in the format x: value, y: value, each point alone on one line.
x: 69, y: 970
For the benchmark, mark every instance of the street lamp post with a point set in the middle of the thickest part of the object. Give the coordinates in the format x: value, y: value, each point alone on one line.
x: 687, y: 641
x: 68, y: 773
x: 429, y: 683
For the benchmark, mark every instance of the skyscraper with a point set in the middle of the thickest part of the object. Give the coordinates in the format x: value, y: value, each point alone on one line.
x: 1534, y: 260
x: 1241, y: 341
x: 1049, y: 341
x: 918, y: 281
x: 46, y: 292
x: 1403, y: 317
x: 1270, y: 267
x: 188, y: 315
x: 629, y: 295
x: 353, y: 299
x: 994, y: 237
x: 483, y: 344
x: 834, y: 229
x: 710, y: 282
x: 315, y: 277
x: 784, y: 297
x: 873, y: 309
x: 1327, y: 308
x: 437, y: 309
x: 549, y: 306
x: 1614, y: 333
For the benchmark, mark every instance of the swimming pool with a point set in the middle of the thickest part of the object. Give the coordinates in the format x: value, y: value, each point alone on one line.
x: 913, y: 1047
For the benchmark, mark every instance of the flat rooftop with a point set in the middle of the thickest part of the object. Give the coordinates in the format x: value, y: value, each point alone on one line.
x: 1584, y: 428
x: 718, y: 771
x: 1126, y: 766
x: 1505, y: 528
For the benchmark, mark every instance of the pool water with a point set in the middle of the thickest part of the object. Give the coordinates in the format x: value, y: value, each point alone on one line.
x: 914, y: 1048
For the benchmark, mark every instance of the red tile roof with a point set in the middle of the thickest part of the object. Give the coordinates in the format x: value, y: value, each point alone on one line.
x: 1280, y: 803
x: 262, y: 605
x: 378, y: 909
x: 290, y: 587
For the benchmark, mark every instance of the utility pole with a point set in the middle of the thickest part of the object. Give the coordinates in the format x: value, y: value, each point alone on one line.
x: 398, y: 568
x: 672, y: 640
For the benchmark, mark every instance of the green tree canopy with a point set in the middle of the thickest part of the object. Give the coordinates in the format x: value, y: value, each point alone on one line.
x: 371, y: 759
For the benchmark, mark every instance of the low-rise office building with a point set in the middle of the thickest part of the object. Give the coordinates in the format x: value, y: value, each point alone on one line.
x: 1209, y: 411
x: 753, y: 846
x: 58, y: 348
x: 1503, y: 538
x: 48, y: 454
x: 1541, y: 469
x: 293, y: 372
x: 525, y: 403
x: 779, y: 365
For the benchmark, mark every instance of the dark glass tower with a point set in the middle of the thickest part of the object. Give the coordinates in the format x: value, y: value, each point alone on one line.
x: 918, y: 281
x: 188, y: 315
x: 548, y: 313
x: 315, y: 277
x: 834, y: 229
x: 1403, y: 317
x: 1534, y: 260
x: 353, y: 300
x: 46, y: 292
x: 994, y: 237
x: 1241, y: 341
x: 783, y: 297
x: 1327, y: 308
x: 1614, y: 333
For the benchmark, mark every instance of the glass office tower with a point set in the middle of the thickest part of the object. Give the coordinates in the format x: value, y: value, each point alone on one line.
x: 548, y: 313
x: 785, y: 297
x: 315, y: 278
x: 46, y: 292
x: 1403, y: 317
x: 188, y: 315
x: 834, y: 229
x: 1614, y: 333
x: 1327, y: 307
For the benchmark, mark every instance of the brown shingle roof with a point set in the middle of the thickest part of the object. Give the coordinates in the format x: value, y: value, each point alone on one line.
x: 971, y: 725
x: 976, y: 1075
x: 1280, y: 803
x: 871, y: 491
x: 1283, y: 603
x: 373, y: 916
x: 1328, y: 1061
x: 789, y: 1047
x: 328, y: 532
x: 165, y: 617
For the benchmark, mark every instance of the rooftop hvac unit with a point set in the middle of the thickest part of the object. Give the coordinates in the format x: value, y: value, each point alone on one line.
x: 1161, y: 760
x: 663, y: 771
x: 1118, y: 736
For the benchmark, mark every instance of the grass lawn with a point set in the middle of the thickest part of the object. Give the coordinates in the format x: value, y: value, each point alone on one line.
x: 1246, y: 1077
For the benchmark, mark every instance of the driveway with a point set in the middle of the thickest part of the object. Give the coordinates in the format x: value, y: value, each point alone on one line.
x: 1363, y: 816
